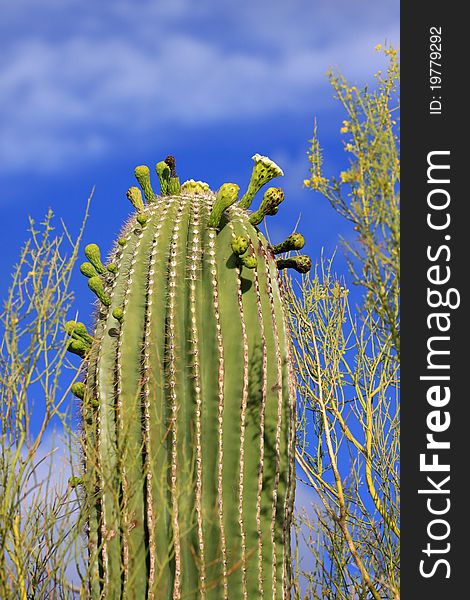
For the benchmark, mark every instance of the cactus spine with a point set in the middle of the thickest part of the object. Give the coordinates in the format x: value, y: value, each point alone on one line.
x: 188, y: 404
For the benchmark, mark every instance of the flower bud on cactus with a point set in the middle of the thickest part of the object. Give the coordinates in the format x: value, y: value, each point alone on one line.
x: 295, y: 241
x: 269, y: 205
x: 135, y: 197
x: 92, y: 252
x: 301, y: 263
x: 264, y: 170
x: 239, y: 245
x: 96, y: 285
x: 78, y: 389
x: 88, y: 269
x: 163, y: 172
x: 189, y: 406
x: 142, y: 174
x: 194, y: 187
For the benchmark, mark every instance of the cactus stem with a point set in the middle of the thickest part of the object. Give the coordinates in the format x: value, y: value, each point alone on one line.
x: 92, y: 252
x: 301, y: 263
x: 226, y: 196
x: 96, y: 286
x: 295, y: 241
x: 263, y: 171
x: 142, y: 174
x: 269, y: 205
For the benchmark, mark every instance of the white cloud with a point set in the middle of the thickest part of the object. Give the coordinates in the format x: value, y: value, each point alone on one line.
x: 70, y: 96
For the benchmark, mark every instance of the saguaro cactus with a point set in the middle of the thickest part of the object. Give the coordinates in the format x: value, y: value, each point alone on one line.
x: 188, y: 404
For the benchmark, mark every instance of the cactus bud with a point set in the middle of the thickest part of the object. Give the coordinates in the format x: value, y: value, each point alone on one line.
x: 78, y: 331
x: 249, y: 261
x: 295, y: 241
x: 142, y: 174
x: 194, y: 187
x: 135, y: 196
x: 239, y: 245
x: 78, y: 389
x: 88, y: 269
x: 141, y: 219
x: 92, y: 252
x: 122, y: 242
x: 264, y: 170
x: 301, y: 263
x: 269, y: 205
x: 163, y: 172
x: 118, y: 314
x: 112, y: 268
x: 226, y: 196
x: 78, y: 347
x: 174, y: 187
x: 96, y: 286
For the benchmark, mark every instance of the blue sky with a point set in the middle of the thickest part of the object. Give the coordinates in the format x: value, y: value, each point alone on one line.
x: 88, y: 90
